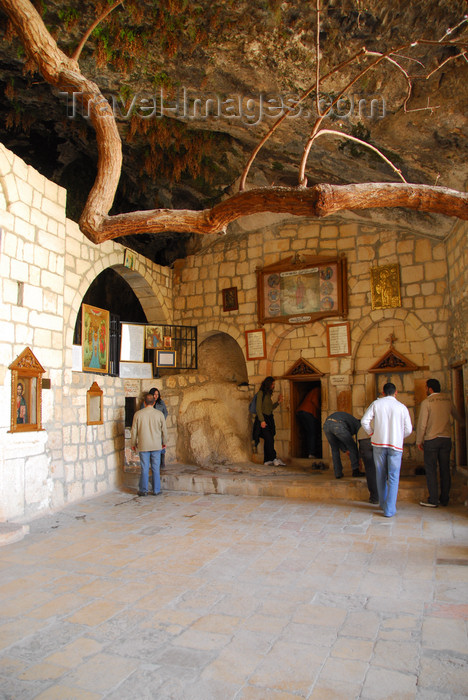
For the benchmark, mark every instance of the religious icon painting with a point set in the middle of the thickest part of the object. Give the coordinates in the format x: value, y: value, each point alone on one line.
x: 154, y: 337
x: 95, y: 339
x: 385, y: 287
x: 230, y: 302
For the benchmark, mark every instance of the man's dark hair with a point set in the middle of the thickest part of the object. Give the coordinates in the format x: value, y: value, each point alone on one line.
x: 149, y: 400
x: 389, y: 389
x: 433, y: 384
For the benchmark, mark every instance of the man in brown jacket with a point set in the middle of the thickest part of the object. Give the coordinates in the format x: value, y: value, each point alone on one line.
x: 149, y: 434
x: 433, y: 437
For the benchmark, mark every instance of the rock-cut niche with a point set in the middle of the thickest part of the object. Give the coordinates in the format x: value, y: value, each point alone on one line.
x: 213, y: 420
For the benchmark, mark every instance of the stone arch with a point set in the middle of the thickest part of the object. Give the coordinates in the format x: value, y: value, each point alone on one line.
x: 9, y: 189
x: 316, y: 329
x: 213, y: 421
x: 403, y: 317
x: 139, y: 279
x: 221, y: 358
x: 370, y: 342
x: 209, y: 328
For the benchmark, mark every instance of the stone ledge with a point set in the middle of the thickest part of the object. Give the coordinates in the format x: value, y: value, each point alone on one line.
x: 10, y: 533
x: 251, y: 479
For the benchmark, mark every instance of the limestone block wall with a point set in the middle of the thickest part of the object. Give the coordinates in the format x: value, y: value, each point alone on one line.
x: 46, y: 267
x: 420, y: 325
x: 457, y: 263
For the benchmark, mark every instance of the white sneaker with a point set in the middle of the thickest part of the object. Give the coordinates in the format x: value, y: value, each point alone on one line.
x: 278, y: 463
x: 268, y: 464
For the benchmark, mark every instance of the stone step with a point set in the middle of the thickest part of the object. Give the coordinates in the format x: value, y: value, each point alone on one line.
x: 11, y: 532
x: 252, y: 479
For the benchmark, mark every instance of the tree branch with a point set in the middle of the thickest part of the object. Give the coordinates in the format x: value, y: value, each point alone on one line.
x: 321, y: 200
x: 64, y: 73
x: 79, y: 48
x: 316, y: 202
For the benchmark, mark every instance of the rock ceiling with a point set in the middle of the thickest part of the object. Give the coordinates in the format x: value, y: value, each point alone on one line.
x: 225, y: 69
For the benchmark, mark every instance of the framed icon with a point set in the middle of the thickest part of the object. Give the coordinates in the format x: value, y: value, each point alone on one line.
x: 95, y: 339
x: 26, y: 393
x: 385, y: 287
x: 302, y: 290
x: 154, y: 337
x: 230, y: 302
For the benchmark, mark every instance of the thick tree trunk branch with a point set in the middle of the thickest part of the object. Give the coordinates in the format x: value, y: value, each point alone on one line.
x: 321, y: 200
x: 63, y: 73
x: 314, y: 202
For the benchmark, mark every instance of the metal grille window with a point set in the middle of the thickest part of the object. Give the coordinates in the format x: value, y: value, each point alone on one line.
x: 179, y: 339
x: 184, y: 342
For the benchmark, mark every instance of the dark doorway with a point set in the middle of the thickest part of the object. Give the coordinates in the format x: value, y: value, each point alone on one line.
x: 300, y: 445
x: 460, y: 427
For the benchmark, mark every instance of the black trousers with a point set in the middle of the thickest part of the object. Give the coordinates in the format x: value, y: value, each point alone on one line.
x: 367, y: 455
x: 311, y: 427
x: 268, y: 435
x: 437, y: 452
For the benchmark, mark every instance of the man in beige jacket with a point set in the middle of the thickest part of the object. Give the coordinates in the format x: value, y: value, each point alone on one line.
x: 433, y: 437
x: 149, y: 435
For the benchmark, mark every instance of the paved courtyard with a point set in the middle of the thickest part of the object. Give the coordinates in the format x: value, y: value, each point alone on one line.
x: 190, y: 597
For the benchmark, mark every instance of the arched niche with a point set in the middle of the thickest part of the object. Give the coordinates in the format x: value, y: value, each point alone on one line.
x: 213, y: 421
x: 221, y: 359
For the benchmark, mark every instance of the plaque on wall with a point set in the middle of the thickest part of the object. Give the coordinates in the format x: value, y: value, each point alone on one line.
x: 132, y: 344
x: 338, y: 339
x: 136, y: 370
x: 255, y: 344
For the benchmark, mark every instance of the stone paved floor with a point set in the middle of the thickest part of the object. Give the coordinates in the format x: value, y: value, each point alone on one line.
x: 190, y: 597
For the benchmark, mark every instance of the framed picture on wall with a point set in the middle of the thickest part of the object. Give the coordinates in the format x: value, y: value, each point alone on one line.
x: 302, y: 290
x: 154, y: 337
x: 132, y: 345
x: 166, y: 358
x: 26, y: 393
x: 95, y: 339
x: 385, y: 287
x: 255, y: 344
x: 338, y: 339
x: 129, y: 259
x: 230, y: 302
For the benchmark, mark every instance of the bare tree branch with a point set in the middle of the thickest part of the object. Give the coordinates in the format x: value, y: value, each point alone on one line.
x: 321, y: 200
x: 79, y: 48
x: 343, y: 135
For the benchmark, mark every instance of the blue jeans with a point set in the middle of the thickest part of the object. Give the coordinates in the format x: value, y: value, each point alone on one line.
x: 148, y: 459
x: 339, y: 438
x: 387, y: 468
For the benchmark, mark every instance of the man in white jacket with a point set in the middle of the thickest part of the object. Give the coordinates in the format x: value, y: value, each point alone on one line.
x: 391, y: 425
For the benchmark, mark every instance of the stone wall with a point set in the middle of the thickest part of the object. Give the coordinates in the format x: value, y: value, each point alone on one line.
x: 46, y: 268
x: 420, y: 325
x: 457, y: 262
